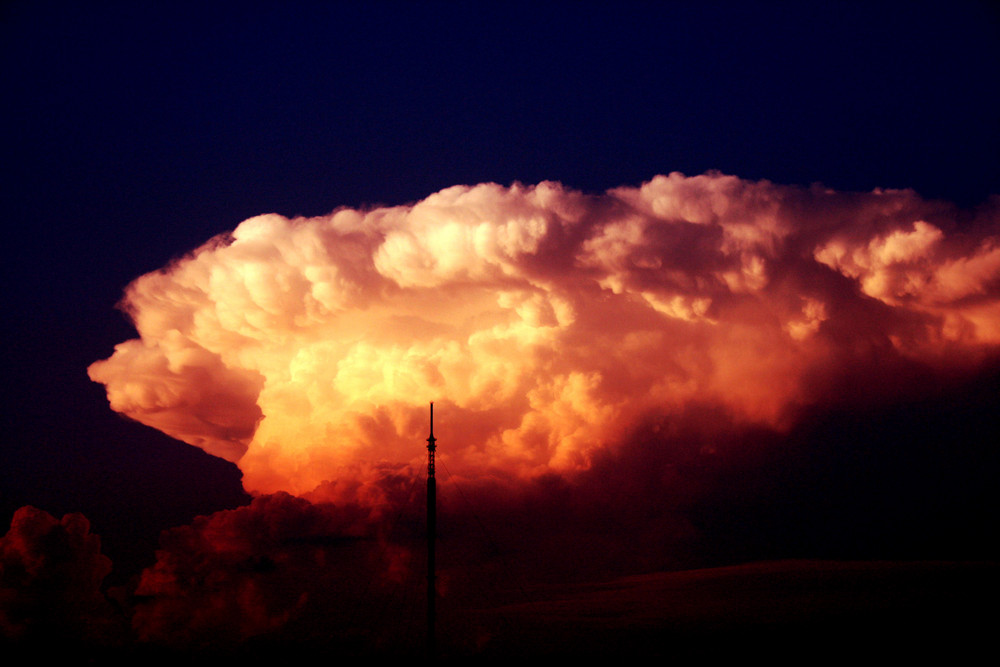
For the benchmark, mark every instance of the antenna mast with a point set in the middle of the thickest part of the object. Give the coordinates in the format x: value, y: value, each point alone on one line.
x: 431, y: 532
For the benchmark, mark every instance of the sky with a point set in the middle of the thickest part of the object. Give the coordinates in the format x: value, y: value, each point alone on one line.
x: 692, y: 286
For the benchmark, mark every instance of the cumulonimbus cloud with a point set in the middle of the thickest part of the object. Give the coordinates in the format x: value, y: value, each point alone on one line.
x: 543, y: 321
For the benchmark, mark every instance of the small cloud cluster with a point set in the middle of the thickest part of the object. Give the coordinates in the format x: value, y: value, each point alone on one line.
x: 277, y: 567
x: 281, y: 569
x: 51, y: 572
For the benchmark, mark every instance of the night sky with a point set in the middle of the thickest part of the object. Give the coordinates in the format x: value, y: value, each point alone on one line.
x: 136, y: 132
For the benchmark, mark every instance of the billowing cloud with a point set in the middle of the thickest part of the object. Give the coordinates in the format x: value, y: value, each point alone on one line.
x: 547, y: 324
x: 278, y: 565
x: 51, y: 572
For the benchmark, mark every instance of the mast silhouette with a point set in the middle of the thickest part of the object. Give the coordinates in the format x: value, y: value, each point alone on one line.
x: 431, y: 533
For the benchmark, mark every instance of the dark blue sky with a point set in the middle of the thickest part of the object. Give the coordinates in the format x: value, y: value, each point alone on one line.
x: 132, y: 132
x: 131, y: 121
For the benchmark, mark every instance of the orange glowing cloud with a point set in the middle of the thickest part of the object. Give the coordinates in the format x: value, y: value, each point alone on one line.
x: 545, y: 322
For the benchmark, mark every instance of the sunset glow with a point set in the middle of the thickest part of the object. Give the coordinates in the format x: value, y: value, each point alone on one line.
x: 546, y: 323
x: 705, y: 298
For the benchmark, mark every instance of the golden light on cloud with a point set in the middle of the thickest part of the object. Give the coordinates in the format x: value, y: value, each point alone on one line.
x: 543, y: 321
